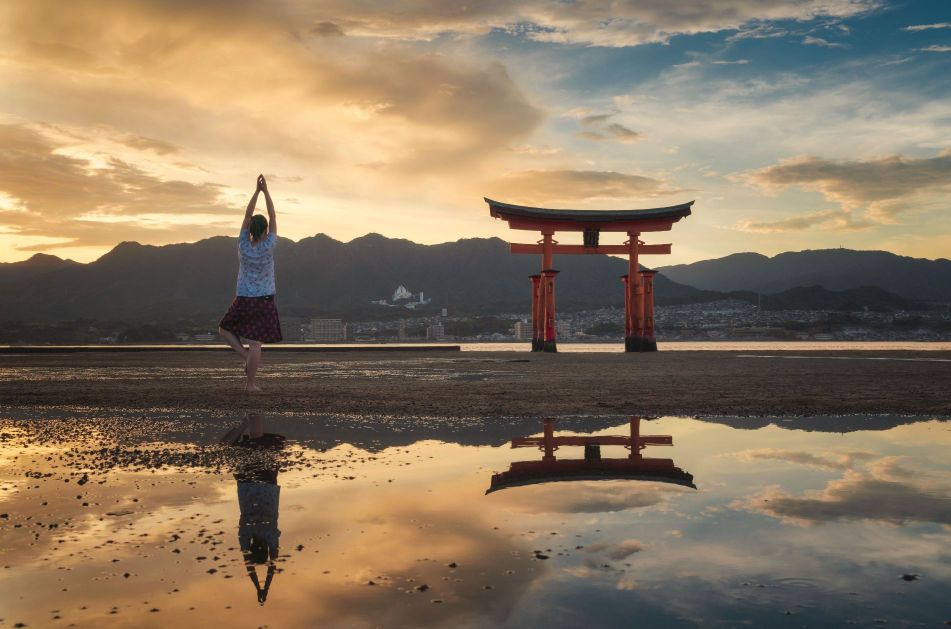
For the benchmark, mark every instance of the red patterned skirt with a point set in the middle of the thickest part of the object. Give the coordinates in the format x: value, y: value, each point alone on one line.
x: 253, y: 318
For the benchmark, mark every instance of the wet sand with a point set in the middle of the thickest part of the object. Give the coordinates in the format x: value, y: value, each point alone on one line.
x: 492, y: 384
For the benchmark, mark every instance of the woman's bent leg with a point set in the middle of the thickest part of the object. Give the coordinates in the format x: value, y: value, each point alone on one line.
x: 233, y: 341
x: 254, y: 361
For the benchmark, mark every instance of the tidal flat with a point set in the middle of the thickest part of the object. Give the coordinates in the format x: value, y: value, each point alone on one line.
x: 754, y: 382
x: 138, y: 517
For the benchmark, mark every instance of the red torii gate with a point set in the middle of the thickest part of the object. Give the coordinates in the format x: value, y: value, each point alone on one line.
x: 634, y: 466
x: 638, y: 284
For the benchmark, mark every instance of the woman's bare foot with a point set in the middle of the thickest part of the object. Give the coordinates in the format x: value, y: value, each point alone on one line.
x: 252, y: 388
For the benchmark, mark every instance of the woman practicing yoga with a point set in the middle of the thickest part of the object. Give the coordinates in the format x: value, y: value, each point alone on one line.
x: 253, y: 315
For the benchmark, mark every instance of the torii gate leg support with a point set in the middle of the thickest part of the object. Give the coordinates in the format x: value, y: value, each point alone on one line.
x: 537, y: 329
x: 638, y: 332
x: 627, y: 313
x: 648, y: 338
x: 548, y: 293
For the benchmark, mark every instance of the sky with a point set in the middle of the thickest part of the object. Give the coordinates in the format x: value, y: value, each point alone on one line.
x: 794, y: 124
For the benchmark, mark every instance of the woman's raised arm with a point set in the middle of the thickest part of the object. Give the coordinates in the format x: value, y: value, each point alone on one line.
x: 271, y: 216
x: 251, y: 205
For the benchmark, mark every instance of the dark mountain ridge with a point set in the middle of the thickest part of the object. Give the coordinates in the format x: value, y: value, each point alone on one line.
x: 321, y: 276
x: 834, y: 269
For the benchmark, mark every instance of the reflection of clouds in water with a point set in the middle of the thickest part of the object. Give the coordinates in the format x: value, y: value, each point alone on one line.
x: 127, y: 509
x: 886, y: 490
x: 401, y: 538
x: 590, y: 497
x: 830, y: 459
x: 619, y: 551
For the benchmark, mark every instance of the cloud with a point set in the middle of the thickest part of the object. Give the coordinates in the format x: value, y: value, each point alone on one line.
x: 758, y: 31
x: 543, y: 186
x: 150, y: 144
x: 887, y: 492
x: 596, y: 119
x: 927, y: 27
x: 827, y: 219
x: 592, y: 23
x: 936, y: 48
x: 597, y: 497
x: 686, y: 65
x: 619, y: 551
x: 326, y: 29
x: 897, y: 61
x: 827, y: 460
x: 885, y: 186
x: 737, y: 62
x: 622, y: 133
x: 60, y: 196
x: 818, y: 41
x: 598, y: 127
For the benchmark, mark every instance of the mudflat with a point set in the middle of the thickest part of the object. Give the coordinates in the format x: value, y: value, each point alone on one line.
x: 485, y: 384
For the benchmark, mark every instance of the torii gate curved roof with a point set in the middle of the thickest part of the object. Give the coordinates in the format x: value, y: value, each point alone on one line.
x: 526, y: 217
x: 504, y: 210
x: 505, y: 480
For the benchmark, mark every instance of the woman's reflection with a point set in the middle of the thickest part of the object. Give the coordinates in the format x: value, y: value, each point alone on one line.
x: 258, y: 496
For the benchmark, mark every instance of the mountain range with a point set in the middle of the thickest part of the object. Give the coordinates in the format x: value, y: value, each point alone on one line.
x: 321, y: 276
x: 834, y: 269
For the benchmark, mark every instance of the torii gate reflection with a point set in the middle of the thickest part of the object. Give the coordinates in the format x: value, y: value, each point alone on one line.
x: 592, y: 467
x: 638, y: 284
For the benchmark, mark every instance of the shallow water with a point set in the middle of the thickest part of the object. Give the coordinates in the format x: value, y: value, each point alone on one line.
x: 133, y: 519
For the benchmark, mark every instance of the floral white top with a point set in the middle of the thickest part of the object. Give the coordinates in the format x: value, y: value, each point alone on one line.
x: 255, y: 266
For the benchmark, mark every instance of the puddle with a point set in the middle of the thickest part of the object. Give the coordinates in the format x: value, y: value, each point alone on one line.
x: 147, y: 520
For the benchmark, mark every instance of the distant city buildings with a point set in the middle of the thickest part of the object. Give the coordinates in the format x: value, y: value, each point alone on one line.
x: 295, y: 329
x: 724, y: 320
x: 327, y: 330
x: 564, y: 328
